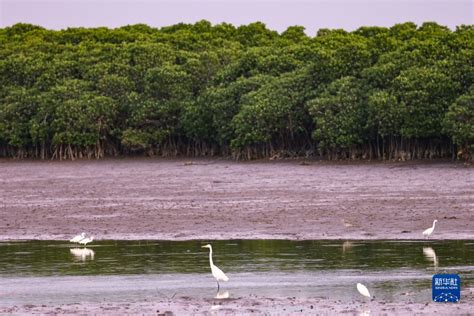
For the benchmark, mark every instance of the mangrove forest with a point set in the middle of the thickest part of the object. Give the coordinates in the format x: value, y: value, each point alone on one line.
x: 399, y: 93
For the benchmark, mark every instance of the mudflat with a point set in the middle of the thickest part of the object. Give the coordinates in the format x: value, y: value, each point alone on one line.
x: 220, y: 199
x: 254, y: 305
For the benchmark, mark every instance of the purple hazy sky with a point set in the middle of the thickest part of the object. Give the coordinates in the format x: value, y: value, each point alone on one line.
x: 276, y: 14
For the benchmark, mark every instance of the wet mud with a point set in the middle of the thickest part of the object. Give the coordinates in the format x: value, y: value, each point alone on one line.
x: 219, y: 199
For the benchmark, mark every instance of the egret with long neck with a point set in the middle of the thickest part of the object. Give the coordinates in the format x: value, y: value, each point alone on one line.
x: 216, y: 272
x: 430, y: 230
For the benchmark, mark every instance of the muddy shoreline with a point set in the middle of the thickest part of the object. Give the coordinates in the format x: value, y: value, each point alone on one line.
x: 254, y: 305
x: 219, y: 199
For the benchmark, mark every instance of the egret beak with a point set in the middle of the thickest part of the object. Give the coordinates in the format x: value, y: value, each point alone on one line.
x: 203, y: 247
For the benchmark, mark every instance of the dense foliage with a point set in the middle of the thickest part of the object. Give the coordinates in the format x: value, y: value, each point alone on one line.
x: 404, y: 92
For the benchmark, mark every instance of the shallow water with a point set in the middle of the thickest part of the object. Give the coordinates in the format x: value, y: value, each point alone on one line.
x: 52, y: 272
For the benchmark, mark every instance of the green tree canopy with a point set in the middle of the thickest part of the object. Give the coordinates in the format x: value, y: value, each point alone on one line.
x: 401, y: 92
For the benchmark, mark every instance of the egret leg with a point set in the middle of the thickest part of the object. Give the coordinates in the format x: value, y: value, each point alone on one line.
x: 218, y: 286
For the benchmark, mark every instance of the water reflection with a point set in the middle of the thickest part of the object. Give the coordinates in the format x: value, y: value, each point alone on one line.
x: 221, y: 295
x: 82, y: 254
x: 395, y: 271
x: 215, y: 308
x: 430, y: 254
x: 346, y: 246
x: 365, y: 312
x: 43, y: 258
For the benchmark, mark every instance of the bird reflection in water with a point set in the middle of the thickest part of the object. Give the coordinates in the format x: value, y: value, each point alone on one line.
x: 221, y: 295
x: 346, y: 246
x: 430, y: 254
x: 82, y: 254
x: 365, y: 312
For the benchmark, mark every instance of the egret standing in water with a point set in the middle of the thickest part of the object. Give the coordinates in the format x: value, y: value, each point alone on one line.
x: 78, y: 238
x: 363, y: 290
x: 430, y: 230
x: 216, y: 272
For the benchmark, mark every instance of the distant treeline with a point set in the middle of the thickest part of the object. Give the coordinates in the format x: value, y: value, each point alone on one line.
x: 404, y: 92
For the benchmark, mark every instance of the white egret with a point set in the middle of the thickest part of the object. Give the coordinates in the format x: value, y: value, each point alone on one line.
x: 363, y: 290
x: 216, y: 272
x: 430, y: 230
x: 86, y: 240
x: 78, y: 237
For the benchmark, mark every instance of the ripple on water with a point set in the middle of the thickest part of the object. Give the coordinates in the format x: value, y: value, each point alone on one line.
x: 393, y: 270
